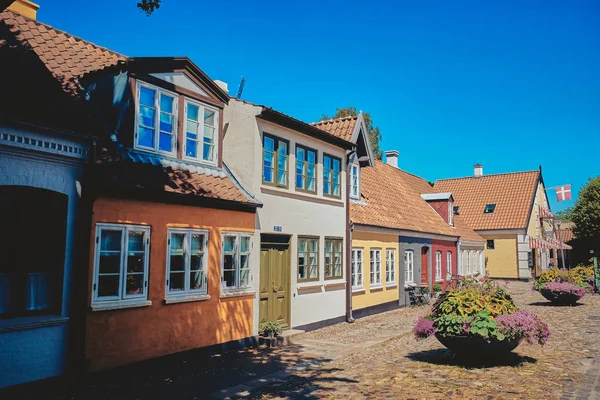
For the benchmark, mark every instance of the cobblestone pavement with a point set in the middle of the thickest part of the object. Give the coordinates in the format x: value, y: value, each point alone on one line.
x: 567, y: 367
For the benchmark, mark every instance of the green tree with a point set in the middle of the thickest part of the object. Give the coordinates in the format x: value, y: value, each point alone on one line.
x: 373, y: 131
x: 586, y: 212
x: 565, y: 215
x: 149, y: 6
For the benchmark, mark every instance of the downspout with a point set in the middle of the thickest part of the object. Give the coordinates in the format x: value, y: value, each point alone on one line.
x: 349, y: 229
x: 458, y: 259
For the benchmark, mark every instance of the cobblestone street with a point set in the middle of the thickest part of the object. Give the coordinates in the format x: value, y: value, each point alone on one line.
x: 376, y: 357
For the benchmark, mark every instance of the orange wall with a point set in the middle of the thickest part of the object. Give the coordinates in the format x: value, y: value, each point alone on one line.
x: 123, y: 336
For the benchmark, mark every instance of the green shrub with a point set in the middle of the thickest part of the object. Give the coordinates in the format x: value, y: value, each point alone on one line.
x: 269, y: 326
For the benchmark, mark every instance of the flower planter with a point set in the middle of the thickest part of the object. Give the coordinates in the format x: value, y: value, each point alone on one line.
x: 478, y: 346
x: 560, y: 298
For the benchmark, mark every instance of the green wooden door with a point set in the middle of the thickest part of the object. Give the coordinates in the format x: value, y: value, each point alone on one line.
x: 274, y: 285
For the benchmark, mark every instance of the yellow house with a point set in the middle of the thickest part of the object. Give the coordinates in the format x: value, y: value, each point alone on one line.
x: 511, y: 211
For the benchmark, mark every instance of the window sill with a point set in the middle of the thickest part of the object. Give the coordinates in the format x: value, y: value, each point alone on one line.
x: 391, y: 285
x: 120, y: 305
x: 375, y: 287
x: 358, y: 290
x: 186, y: 298
x: 38, y: 321
x: 335, y: 285
x: 227, y: 293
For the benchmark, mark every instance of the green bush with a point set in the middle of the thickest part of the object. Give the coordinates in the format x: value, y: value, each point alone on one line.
x: 274, y: 327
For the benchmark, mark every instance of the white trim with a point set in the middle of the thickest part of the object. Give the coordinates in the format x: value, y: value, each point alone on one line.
x: 237, y: 292
x: 120, y: 305
x: 354, y: 264
x: 355, y: 165
x: 186, y: 298
x: 393, y: 266
x: 361, y: 125
x: 122, y: 299
x: 448, y: 265
x: 52, y: 145
x: 158, y: 91
x: 374, y: 268
x: 227, y: 291
x: 409, y: 266
x: 438, y: 266
x: 187, y: 292
x: 436, y: 196
x: 200, y: 140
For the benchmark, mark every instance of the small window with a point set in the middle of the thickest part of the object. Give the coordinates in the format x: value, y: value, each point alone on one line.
x: 448, y: 265
x: 489, y: 209
x: 121, y: 263
x: 357, y: 268
x: 438, y: 266
x: 156, y: 119
x: 450, y: 214
x: 355, y: 181
x: 200, y: 132
x: 455, y: 209
x: 490, y: 245
x: 333, y: 259
x: 186, y: 262
x: 390, y: 266
x: 306, y: 169
x: 235, y: 267
x: 375, y: 263
x: 275, y: 161
x: 332, y: 167
x: 409, y: 258
x: 308, y: 259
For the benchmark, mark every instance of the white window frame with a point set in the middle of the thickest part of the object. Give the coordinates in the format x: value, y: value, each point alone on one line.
x: 200, y: 141
x: 451, y: 213
x: 357, y: 277
x: 375, y: 267
x: 409, y: 266
x: 158, y: 91
x: 122, y: 299
x: 187, y: 292
x: 448, y: 265
x: 438, y: 266
x: 390, y: 266
x: 237, y: 260
x: 355, y: 189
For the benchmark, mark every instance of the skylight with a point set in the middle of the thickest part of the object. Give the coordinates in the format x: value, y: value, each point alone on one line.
x: 489, y: 209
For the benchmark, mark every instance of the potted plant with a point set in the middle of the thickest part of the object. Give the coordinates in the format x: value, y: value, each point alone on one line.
x: 270, y: 329
x: 437, y: 289
x: 562, y: 287
x: 479, y: 318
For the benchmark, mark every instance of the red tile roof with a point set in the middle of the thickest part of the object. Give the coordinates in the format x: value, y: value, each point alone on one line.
x: 340, y: 127
x: 512, y: 193
x: 65, y: 56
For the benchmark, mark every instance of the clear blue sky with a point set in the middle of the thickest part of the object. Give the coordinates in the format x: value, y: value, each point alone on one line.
x: 509, y: 84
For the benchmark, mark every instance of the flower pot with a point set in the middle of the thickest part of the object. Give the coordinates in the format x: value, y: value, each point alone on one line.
x: 478, y: 346
x: 560, y: 298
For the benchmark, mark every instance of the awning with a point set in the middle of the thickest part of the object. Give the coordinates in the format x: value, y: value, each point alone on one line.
x: 545, y: 213
x: 537, y: 243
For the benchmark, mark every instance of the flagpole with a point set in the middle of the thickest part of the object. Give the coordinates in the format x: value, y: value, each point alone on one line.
x: 562, y: 250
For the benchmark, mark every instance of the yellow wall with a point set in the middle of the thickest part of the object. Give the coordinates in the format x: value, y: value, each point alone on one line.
x: 25, y: 7
x: 368, y: 297
x: 502, y: 261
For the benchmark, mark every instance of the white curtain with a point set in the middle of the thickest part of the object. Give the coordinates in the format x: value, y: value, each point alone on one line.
x: 38, y: 291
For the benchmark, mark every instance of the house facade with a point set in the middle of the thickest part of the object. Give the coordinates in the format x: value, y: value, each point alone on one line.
x: 511, y: 212
x: 299, y: 174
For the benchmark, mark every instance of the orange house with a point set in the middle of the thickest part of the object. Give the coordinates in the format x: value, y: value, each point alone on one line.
x: 171, y: 234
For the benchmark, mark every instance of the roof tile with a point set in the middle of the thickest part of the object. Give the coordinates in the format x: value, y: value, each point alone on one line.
x: 341, y: 127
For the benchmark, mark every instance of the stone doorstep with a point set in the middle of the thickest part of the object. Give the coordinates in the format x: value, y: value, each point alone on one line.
x: 284, y: 339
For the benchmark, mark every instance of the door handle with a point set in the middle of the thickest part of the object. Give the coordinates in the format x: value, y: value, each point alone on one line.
x: 274, y: 287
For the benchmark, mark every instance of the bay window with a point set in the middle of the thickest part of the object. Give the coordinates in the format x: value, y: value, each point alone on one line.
x: 306, y: 169
x: 121, y: 264
x: 156, y: 115
x: 186, y: 262
x: 201, y: 127
x: 235, y: 266
x: 332, y: 176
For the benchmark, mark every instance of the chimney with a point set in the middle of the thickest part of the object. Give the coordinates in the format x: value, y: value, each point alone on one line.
x: 25, y: 8
x: 391, y: 158
x: 222, y: 85
x: 478, y: 170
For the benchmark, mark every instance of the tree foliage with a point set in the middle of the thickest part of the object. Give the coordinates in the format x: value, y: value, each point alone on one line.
x: 373, y: 131
x: 565, y: 215
x: 586, y: 212
x: 149, y: 6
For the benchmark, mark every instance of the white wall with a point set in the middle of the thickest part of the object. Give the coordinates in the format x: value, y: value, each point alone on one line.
x: 296, y: 213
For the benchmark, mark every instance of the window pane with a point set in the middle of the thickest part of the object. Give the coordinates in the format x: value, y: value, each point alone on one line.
x: 302, y: 245
x: 177, y: 240
x: 196, y: 279
x: 197, y: 242
x: 312, y: 157
x: 244, y: 261
x: 328, y: 245
x: 209, y: 117
x: 147, y: 96
x: 282, y: 162
x: 136, y: 240
x: 191, y: 148
x: 166, y: 103
x: 268, y: 174
x: 269, y: 144
x: 299, y: 154
x: 326, y: 162
x: 110, y: 240
x: 311, y: 171
x: 108, y: 285
x: 228, y: 243
x: 146, y: 137
x: 135, y: 262
x: 38, y: 291
x: 245, y: 244
x: 311, y: 184
x: 191, y: 128
x: 192, y: 112
x: 177, y: 263
x: 328, y: 267
x: 282, y: 149
x: 268, y: 159
x: 336, y: 165
x: 299, y: 181
x: 336, y: 177
x: 134, y: 284
x: 165, y: 142
x: 110, y: 263
x: 208, y: 152
x: 336, y: 190
x: 176, y: 281
x: 147, y: 116
x: 166, y: 122
x: 313, y: 271
x: 281, y: 177
x: 313, y: 244
x: 299, y: 167
x: 244, y: 277
x: 196, y: 262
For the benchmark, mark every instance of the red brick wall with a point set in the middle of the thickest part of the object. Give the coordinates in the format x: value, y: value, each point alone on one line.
x: 123, y: 336
x: 444, y: 246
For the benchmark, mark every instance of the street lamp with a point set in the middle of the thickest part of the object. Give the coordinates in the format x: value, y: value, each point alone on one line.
x: 595, y: 271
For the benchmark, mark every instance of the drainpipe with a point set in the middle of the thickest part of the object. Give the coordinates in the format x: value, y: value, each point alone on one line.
x: 349, y: 229
x: 458, y: 259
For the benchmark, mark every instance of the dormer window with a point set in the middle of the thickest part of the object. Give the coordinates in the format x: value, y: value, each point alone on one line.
x: 450, y: 213
x: 156, y: 119
x: 355, y: 181
x: 489, y: 209
x: 200, y: 132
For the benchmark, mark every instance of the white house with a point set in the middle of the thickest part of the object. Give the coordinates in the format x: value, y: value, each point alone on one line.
x: 299, y: 173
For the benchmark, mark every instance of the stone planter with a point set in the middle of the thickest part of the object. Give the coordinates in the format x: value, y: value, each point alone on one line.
x: 477, y: 346
x: 560, y: 298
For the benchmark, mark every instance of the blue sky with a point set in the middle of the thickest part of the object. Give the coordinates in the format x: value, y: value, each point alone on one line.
x: 510, y: 84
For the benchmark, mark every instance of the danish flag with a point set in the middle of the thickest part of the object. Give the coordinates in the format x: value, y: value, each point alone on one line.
x: 563, y: 193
